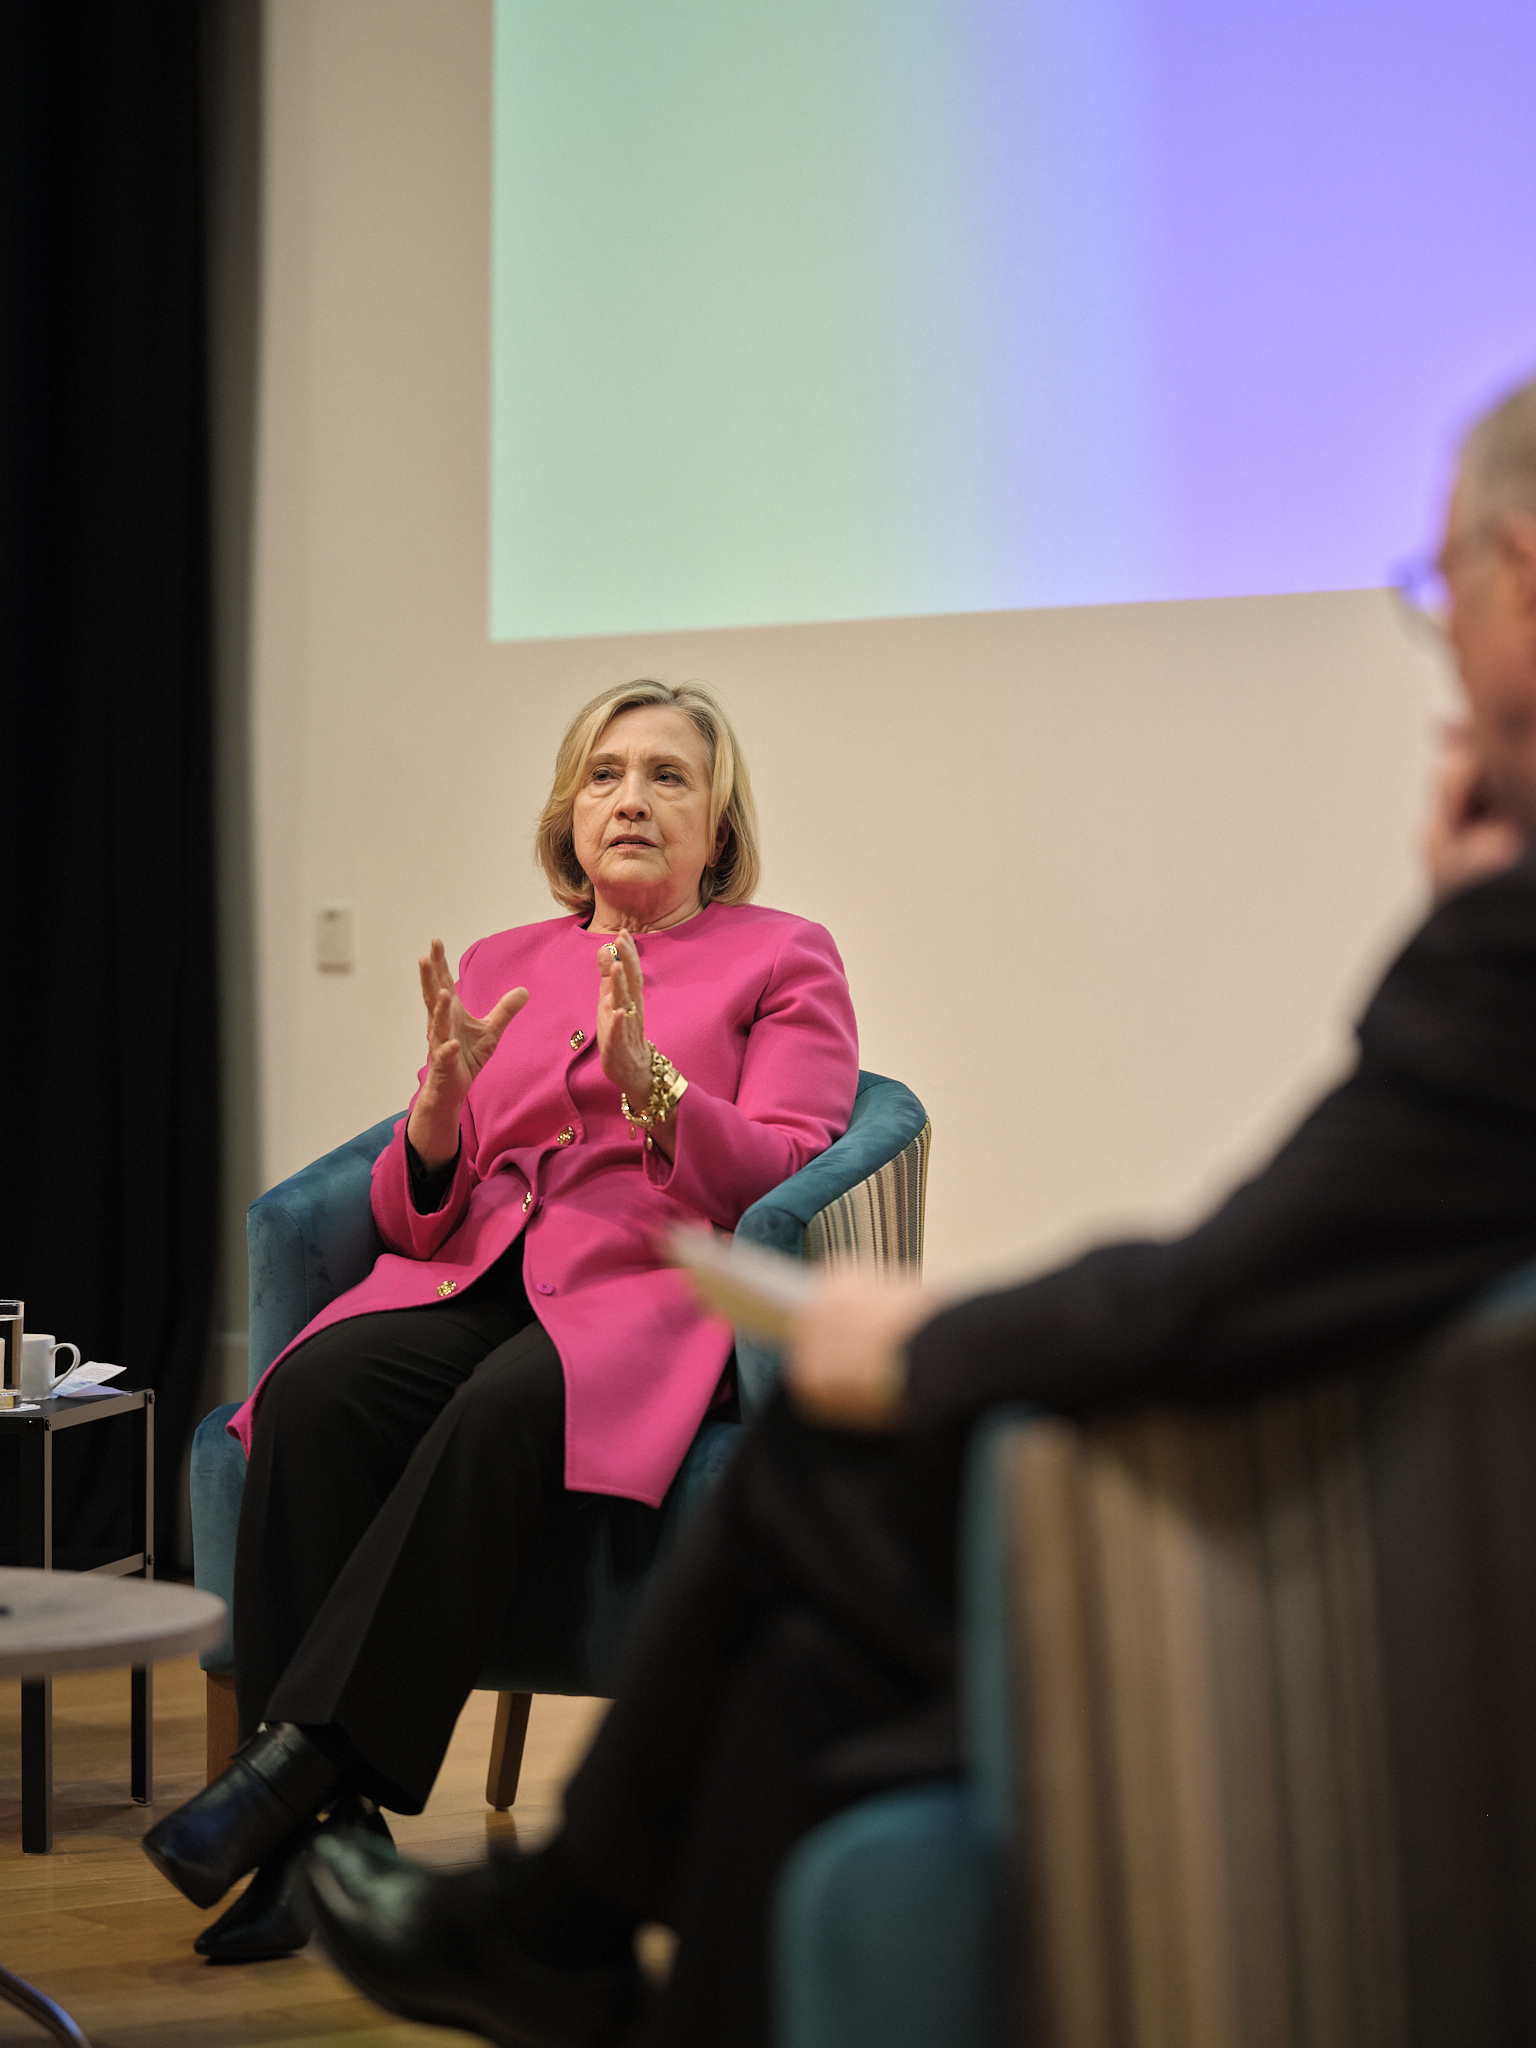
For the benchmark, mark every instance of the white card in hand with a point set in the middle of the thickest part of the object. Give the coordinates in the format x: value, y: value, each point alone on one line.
x: 758, y: 1289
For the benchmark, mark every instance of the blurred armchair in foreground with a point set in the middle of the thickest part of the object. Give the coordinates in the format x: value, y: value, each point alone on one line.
x: 1252, y: 1736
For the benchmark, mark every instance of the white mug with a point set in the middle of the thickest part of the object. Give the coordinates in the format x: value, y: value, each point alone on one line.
x: 38, y: 1378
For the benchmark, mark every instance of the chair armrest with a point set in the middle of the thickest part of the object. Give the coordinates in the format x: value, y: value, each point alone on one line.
x: 804, y: 1216
x: 989, y: 1712
x: 886, y: 1118
x: 890, y: 1928
x: 310, y: 1238
x: 216, y: 1482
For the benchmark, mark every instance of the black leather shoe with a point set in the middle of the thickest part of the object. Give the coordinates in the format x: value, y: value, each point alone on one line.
x: 272, y: 1916
x: 275, y: 1784
x: 437, y: 1949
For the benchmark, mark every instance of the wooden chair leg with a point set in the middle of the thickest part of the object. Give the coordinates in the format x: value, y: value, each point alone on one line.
x: 507, y: 1748
x: 223, y: 1721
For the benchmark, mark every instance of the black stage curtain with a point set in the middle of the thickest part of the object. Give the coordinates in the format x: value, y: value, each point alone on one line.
x: 108, y: 1027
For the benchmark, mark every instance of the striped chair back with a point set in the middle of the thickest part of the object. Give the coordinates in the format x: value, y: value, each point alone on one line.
x: 879, y: 1222
x: 1275, y: 1697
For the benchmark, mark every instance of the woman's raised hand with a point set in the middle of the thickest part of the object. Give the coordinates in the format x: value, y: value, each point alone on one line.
x: 458, y: 1046
x: 621, y: 1046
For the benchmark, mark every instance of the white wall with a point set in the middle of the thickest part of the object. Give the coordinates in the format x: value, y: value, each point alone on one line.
x: 1109, y: 883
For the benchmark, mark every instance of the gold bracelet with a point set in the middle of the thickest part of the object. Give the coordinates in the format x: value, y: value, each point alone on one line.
x: 667, y: 1086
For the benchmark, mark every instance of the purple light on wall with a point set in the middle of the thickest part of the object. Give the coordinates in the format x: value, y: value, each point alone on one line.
x: 1247, y: 272
x: 1346, y: 262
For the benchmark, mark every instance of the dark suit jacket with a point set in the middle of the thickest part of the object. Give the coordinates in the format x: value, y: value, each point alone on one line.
x: 1403, y: 1194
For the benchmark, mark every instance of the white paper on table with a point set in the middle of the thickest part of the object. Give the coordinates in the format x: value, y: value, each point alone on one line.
x: 758, y: 1289
x: 88, y: 1378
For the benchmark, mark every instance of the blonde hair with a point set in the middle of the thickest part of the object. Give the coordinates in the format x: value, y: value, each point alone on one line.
x: 733, y: 877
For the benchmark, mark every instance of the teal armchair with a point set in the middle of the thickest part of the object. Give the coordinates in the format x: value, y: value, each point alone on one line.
x: 312, y: 1237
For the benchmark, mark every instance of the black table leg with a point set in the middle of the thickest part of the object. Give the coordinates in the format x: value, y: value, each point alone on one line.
x: 142, y: 1733
x: 37, y: 1766
x: 36, y: 1504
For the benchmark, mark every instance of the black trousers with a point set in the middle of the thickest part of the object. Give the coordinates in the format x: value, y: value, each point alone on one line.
x: 799, y: 1654
x: 399, y: 1474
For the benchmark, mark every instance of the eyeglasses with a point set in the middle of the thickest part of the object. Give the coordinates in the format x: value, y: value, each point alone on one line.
x: 1421, y: 585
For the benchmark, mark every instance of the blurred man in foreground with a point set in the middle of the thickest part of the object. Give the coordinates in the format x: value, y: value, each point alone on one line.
x: 802, y: 1650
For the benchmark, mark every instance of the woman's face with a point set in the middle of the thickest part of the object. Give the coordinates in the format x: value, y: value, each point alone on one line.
x: 641, y: 817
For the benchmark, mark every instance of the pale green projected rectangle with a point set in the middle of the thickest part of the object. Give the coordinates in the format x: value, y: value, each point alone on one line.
x: 733, y: 373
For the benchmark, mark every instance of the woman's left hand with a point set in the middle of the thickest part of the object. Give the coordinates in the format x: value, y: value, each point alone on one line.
x: 621, y: 1046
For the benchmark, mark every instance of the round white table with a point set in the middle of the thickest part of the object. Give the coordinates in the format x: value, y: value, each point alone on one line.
x: 68, y: 1621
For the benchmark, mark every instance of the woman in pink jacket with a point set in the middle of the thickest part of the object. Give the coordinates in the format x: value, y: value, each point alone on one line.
x: 665, y: 1053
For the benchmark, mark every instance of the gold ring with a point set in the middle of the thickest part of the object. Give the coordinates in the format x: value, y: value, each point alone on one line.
x: 612, y: 951
x: 630, y: 1011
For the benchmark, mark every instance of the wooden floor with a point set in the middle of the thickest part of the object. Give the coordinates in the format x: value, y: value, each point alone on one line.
x: 94, y: 1927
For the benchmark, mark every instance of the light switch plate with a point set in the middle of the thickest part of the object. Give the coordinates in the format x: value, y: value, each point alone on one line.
x: 335, y: 950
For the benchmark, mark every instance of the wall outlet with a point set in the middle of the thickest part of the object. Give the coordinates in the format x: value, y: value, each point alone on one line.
x: 335, y: 950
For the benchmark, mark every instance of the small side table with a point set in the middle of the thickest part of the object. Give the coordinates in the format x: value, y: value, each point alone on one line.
x: 37, y: 1428
x: 80, y: 1621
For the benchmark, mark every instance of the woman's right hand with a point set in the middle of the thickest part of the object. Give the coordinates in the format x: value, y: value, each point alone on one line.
x: 458, y: 1046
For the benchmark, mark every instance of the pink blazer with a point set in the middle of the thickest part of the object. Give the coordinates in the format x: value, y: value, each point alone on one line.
x: 753, y: 1007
